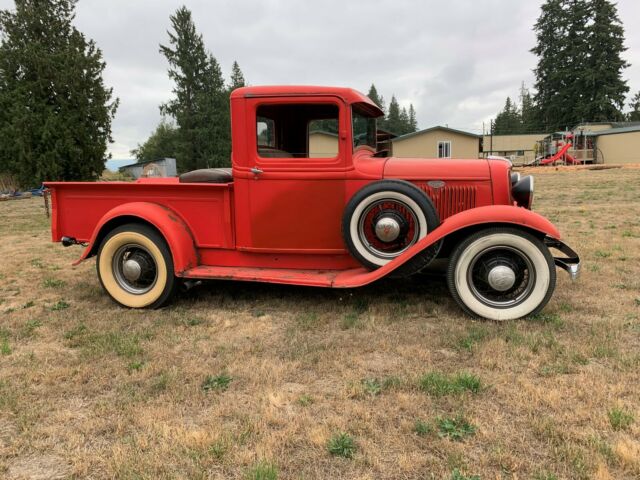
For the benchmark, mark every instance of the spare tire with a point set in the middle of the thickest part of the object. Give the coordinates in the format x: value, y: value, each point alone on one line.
x: 384, y: 219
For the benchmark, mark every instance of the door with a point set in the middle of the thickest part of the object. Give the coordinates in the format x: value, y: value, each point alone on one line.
x: 297, y: 194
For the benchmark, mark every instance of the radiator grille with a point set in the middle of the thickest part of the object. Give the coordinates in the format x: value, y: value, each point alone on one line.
x: 450, y: 200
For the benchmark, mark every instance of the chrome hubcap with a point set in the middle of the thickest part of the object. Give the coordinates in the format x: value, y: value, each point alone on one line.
x: 387, y: 229
x: 134, y: 269
x: 131, y: 270
x: 501, y: 278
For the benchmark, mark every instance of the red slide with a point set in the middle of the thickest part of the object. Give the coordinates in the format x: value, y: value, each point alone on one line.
x: 558, y: 155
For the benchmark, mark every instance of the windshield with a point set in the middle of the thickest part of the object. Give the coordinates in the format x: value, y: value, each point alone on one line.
x: 364, y: 129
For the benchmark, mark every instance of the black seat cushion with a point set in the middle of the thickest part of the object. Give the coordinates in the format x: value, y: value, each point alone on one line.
x: 207, y: 175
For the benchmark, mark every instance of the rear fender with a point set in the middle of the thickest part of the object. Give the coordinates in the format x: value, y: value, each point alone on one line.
x: 174, y: 230
x: 489, y: 215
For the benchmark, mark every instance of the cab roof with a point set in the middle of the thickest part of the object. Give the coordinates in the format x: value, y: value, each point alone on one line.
x: 349, y: 95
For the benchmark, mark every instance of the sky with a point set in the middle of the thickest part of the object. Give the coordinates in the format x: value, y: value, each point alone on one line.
x: 455, y: 60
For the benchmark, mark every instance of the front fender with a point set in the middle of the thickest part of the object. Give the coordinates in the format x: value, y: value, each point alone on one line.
x: 174, y: 230
x: 489, y: 215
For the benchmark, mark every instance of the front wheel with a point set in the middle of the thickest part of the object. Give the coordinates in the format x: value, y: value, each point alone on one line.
x: 501, y: 274
x: 135, y: 267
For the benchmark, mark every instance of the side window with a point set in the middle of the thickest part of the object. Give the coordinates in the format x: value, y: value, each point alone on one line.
x: 444, y: 149
x: 323, y: 138
x: 297, y: 130
x: 266, y: 132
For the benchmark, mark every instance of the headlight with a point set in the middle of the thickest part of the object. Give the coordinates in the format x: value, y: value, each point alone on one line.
x: 515, y: 178
x: 522, y: 192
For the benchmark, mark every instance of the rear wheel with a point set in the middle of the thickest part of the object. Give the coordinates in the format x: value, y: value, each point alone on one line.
x: 501, y: 274
x: 135, y: 267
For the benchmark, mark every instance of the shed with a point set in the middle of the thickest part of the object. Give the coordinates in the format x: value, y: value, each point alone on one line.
x: 164, y: 167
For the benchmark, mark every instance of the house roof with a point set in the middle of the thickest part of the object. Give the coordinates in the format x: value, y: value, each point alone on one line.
x: 323, y: 132
x: 613, y: 131
x: 437, y: 127
x: 139, y: 164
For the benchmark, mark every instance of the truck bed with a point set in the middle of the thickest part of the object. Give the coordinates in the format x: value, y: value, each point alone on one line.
x: 206, y: 208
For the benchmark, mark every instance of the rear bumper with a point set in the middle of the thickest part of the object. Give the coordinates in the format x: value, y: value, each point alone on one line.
x: 570, y: 263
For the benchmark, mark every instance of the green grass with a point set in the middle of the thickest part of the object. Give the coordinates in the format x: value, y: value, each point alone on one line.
x: 620, y: 419
x: 438, y: 384
x: 262, y: 471
x: 456, y: 428
x: 422, y: 429
x: 216, y: 382
x: 60, y: 305
x: 5, y: 348
x: 374, y: 386
x: 350, y: 320
x: 456, y: 475
x: 474, y: 336
x: 342, y: 445
x: 53, y: 283
x: 305, y: 400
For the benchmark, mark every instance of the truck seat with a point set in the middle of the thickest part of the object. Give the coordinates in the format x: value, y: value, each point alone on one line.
x: 207, y: 175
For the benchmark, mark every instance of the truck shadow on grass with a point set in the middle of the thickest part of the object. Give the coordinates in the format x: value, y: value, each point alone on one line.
x: 409, y: 295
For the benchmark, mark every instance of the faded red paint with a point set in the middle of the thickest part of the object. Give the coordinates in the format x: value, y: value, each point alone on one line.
x: 284, y: 225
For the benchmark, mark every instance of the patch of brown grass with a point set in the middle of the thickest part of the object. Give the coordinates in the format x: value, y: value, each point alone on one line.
x: 92, y: 390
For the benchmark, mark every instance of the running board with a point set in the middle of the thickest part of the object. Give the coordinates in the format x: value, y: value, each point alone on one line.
x: 312, y: 278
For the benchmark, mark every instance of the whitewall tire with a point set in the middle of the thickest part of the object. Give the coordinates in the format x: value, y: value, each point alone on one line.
x: 501, y: 274
x: 384, y: 219
x: 135, y: 267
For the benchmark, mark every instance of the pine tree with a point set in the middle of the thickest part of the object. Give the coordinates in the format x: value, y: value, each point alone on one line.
x: 375, y: 98
x: 405, y: 127
x: 604, y: 89
x: 393, y: 122
x: 237, y: 78
x: 551, y: 71
x: 634, y: 114
x: 163, y: 143
x: 413, y: 122
x: 508, y: 121
x: 200, y: 107
x: 528, y: 112
x: 579, y: 70
x: 55, y: 111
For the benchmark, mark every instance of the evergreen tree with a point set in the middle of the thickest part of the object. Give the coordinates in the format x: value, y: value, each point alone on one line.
x: 604, y: 89
x: 528, y: 112
x: 551, y: 71
x: 413, y: 122
x: 237, y: 78
x: 163, y: 143
x: 393, y: 122
x: 200, y: 107
x: 55, y: 111
x: 404, y: 122
x: 634, y: 114
x: 375, y: 98
x: 579, y: 70
x: 508, y: 121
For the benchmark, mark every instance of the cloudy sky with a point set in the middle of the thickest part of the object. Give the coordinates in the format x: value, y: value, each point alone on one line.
x: 455, y: 60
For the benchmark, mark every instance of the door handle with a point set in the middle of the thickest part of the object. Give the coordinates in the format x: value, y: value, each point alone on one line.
x: 256, y: 171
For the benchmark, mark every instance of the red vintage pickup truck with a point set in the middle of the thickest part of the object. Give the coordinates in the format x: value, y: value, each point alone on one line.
x: 297, y: 210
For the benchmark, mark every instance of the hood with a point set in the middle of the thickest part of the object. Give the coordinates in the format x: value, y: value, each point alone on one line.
x: 436, y: 169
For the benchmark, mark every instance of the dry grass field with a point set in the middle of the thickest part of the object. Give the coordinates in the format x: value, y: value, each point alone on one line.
x: 392, y: 381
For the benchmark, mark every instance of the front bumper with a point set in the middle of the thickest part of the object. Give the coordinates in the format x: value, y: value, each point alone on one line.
x: 570, y: 263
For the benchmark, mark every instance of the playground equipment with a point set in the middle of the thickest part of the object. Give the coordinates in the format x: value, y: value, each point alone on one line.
x: 562, y: 146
